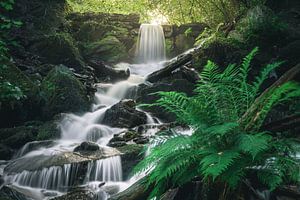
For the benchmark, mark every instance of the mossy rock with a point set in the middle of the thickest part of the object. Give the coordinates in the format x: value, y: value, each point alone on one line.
x: 16, y: 137
x: 63, y: 93
x: 48, y: 130
x: 58, y: 48
x: 109, y: 49
x: 123, y: 35
x: 220, y: 50
x: 170, y: 48
x: 91, y: 31
x: 131, y: 156
x: 14, y: 110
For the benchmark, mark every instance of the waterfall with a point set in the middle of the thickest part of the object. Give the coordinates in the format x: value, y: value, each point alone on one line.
x: 151, y: 44
x: 76, y: 129
x: 108, y: 169
x: 54, y: 178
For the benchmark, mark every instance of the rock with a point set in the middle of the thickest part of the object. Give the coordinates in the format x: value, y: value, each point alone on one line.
x: 5, y: 152
x: 116, y: 144
x: 124, y: 114
x: 18, y: 136
x: 87, y: 146
x: 49, y: 129
x: 10, y: 193
x: 31, y: 146
x: 220, y: 51
x: 107, y: 73
x: 131, y: 154
x: 91, y: 31
x: 58, y: 48
x: 129, y: 135
x: 77, y: 195
x: 108, y: 49
x: 63, y: 93
x: 59, y: 159
x: 141, y: 140
x: 14, y: 110
x: 179, y: 85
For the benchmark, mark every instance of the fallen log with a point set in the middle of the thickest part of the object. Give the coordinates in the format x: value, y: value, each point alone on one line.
x: 291, y: 122
x: 175, y: 63
x: 254, y: 112
x: 137, y: 191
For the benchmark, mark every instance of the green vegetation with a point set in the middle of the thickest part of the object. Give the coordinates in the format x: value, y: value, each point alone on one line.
x: 227, y: 143
x: 8, y: 91
x: 210, y: 11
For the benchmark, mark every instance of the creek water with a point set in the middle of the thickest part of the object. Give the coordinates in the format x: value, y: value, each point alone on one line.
x: 52, y: 181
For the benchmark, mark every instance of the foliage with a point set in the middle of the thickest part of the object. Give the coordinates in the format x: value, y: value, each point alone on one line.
x: 222, y: 148
x: 212, y: 12
x: 261, y: 27
x: 6, y: 25
x: 9, y: 92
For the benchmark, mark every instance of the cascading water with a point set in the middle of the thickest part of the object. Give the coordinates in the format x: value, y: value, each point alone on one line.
x: 151, y: 44
x: 76, y: 129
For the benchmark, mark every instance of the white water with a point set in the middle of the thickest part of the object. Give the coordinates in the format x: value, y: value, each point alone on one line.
x: 151, y: 44
x: 76, y: 129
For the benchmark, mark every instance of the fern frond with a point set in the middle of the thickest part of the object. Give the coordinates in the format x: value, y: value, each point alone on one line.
x: 270, y: 178
x: 254, y: 144
x: 245, y: 66
x: 210, y: 73
x: 216, y: 163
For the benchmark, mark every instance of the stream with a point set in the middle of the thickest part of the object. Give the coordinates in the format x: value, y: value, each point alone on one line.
x: 47, y: 169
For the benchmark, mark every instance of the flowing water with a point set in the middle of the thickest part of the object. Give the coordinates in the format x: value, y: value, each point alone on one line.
x: 75, y: 129
x: 151, y: 44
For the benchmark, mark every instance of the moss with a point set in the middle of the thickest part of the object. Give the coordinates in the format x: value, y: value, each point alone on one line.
x: 169, y: 48
x: 91, y: 31
x: 109, y: 49
x: 59, y: 48
x: 63, y: 92
x: 9, y: 72
x: 49, y: 130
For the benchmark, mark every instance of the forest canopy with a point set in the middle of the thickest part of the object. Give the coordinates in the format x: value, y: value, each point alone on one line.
x: 212, y: 12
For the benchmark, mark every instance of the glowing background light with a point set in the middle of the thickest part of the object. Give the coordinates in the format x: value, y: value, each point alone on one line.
x: 156, y: 17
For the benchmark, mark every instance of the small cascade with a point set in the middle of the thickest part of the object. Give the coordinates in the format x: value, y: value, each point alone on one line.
x: 151, y: 44
x: 76, y: 129
x: 54, y: 178
x: 109, y: 169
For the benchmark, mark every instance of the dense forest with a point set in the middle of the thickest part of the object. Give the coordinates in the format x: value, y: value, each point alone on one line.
x: 149, y: 99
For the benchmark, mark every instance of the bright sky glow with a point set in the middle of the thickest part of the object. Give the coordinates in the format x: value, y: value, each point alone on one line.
x: 157, y: 18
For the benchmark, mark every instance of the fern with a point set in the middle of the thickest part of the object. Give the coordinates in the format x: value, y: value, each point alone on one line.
x: 225, y: 115
x: 254, y: 144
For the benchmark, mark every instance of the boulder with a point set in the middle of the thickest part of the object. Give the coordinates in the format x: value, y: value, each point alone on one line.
x: 87, y: 146
x: 91, y: 31
x: 18, y: 136
x: 58, y: 48
x: 5, y: 152
x: 179, y: 85
x: 85, y: 194
x: 108, y: 49
x: 107, y: 73
x: 124, y: 115
x: 44, y: 161
x: 62, y: 92
x: 10, y: 193
x: 14, y: 138
x: 131, y: 154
